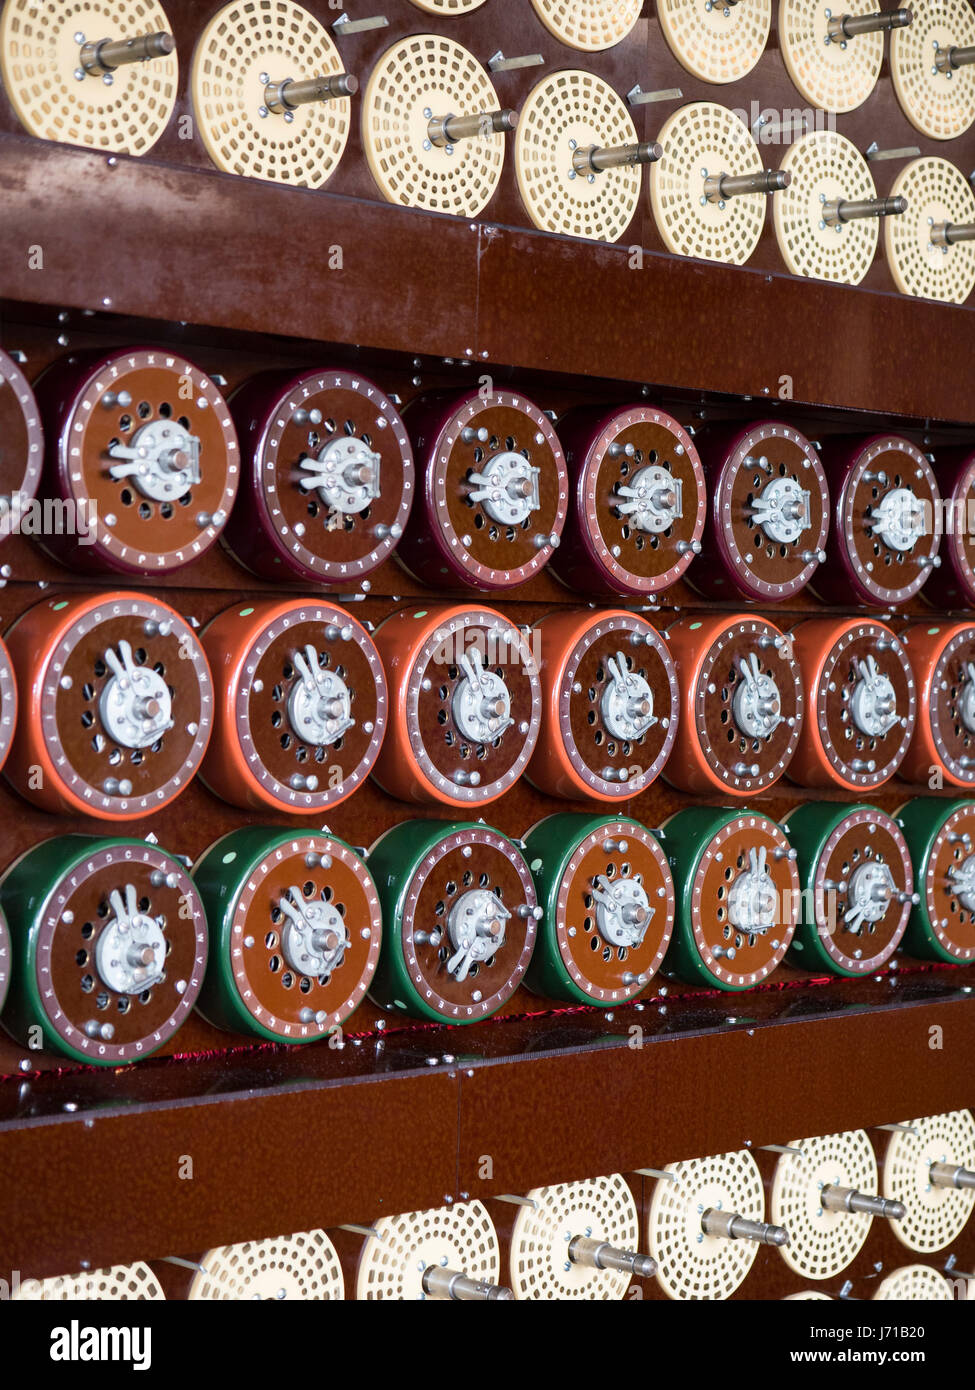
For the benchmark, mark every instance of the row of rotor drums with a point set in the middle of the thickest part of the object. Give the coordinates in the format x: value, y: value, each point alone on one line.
x: 107, y: 944
x: 696, y: 1234
x: 272, y: 98
x: 108, y: 707
x: 317, y: 478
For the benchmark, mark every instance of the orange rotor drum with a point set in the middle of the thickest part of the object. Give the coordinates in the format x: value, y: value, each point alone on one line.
x: 610, y: 705
x: 741, y: 704
x: 117, y: 705
x: 464, y: 705
x: 301, y: 710
x: 942, y: 656
x: 862, y: 703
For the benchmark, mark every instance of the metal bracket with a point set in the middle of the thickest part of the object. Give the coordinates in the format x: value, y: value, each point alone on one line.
x: 636, y: 96
x: 499, y: 63
x: 873, y: 152
x: 344, y: 25
x: 518, y: 1201
x: 655, y: 1173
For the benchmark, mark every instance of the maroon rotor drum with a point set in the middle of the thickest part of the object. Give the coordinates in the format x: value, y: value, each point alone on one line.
x: 953, y: 584
x: 886, y: 523
x: 492, y: 490
x: 142, y: 451
x: 330, y: 426
x: 767, y: 515
x: 604, y: 550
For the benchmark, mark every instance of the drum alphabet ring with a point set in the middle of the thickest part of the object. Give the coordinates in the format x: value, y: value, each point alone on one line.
x: 111, y: 944
x: 737, y: 889
x: 857, y: 887
x: 459, y: 913
x: 328, y: 477
x: 118, y: 704
x: 941, y: 838
x: 742, y: 704
x: 493, y: 490
x: 886, y: 521
x: 295, y: 933
x: 942, y: 656
x: 22, y: 452
x: 865, y: 703
x: 608, y: 901
x: 302, y: 709
x: 610, y: 705
x: 141, y: 445
x: 637, y: 503
x: 464, y: 705
x: 768, y: 515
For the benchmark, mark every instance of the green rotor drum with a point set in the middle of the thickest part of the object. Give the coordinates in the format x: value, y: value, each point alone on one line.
x: 857, y: 885
x: 607, y: 896
x: 295, y: 933
x: 460, y: 913
x: 110, y: 941
x: 941, y: 838
x: 737, y: 889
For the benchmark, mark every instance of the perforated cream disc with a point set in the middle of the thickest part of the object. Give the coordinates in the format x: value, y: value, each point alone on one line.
x: 567, y: 111
x: 425, y: 77
x: 839, y: 75
x: 448, y: 7
x: 135, y: 1281
x: 393, y: 1261
x: 936, y: 104
x: 589, y: 25
x: 302, y: 1266
x: 244, y: 48
x: 935, y: 1215
x: 40, y: 53
x: 936, y: 193
x: 716, y: 41
x: 700, y: 140
x: 807, y: 1294
x: 690, y: 1264
x: 914, y: 1284
x: 825, y: 166
x: 601, y: 1209
x: 822, y: 1242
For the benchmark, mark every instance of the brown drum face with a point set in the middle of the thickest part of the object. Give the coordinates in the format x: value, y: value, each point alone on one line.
x: 644, y: 501
x: 21, y: 438
x: 865, y: 669
x: 952, y: 918
x: 951, y: 707
x: 461, y: 863
x: 148, y: 449
x: 282, y: 995
x: 865, y: 854
x: 125, y: 705
x: 86, y: 1011
x: 613, y: 854
x: 743, y: 708
x: 737, y: 957
x: 304, y: 713
x: 334, y: 468
x: 887, y: 539
x: 772, y: 507
x: 464, y: 705
x: 601, y: 738
x: 496, y: 491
